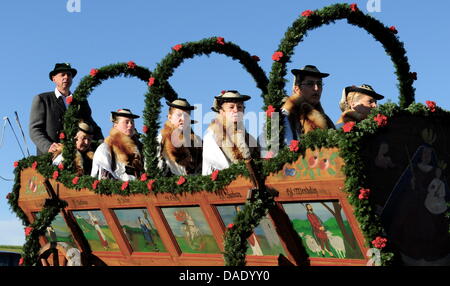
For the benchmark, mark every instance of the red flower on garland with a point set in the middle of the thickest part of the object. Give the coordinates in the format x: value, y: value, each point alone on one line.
x: 150, y: 185
x: 8, y: 196
x: 381, y: 120
x: 177, y: 47
x: 294, y: 145
x: 145, y: 129
x: 214, y: 175
x: 62, y: 136
x: 124, y: 185
x: 413, y: 75
x: 393, y: 29
x: 55, y: 175
x: 151, y: 81
x: 28, y: 230
x: 256, y: 58
x: 277, y: 56
x: 270, y: 110
x: 229, y: 226
x: 143, y: 177
x: 34, y: 165
x: 75, y: 180
x: 348, y: 126
x: 220, y: 40
x: 354, y: 7
x: 307, y: 13
x: 181, y: 181
x: 131, y: 65
x: 364, y: 194
x: 69, y: 99
x: 16, y: 164
x: 61, y: 166
x: 95, y: 184
x: 431, y: 105
x: 379, y: 242
x: 93, y: 72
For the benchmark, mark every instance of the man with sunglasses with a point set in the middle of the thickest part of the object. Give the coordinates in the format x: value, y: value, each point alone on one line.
x: 303, y: 111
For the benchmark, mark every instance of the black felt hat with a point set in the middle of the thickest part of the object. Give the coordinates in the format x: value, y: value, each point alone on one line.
x: 124, y: 113
x: 62, y: 67
x: 181, y: 103
x: 309, y: 70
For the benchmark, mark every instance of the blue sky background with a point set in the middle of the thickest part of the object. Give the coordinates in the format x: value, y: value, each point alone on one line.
x: 34, y: 35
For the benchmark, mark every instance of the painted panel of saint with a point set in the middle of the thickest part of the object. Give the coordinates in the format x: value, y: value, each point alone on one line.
x: 324, y: 229
x: 191, y: 230
x: 96, y: 230
x: 138, y: 227
x: 263, y: 241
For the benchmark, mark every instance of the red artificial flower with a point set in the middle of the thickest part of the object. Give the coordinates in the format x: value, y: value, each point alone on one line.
x: 393, y: 29
x: 223, y: 92
x: 379, y: 242
x: 381, y: 120
x: 62, y: 135
x: 364, y: 194
x: 95, y: 184
x: 220, y: 40
x: 294, y: 145
x: 230, y: 225
x: 431, y: 105
x: 413, y: 75
x: 143, y: 177
x: 124, y: 185
x: 307, y: 13
x: 277, y: 56
x: 61, y: 166
x: 150, y: 185
x: 214, y: 175
x: 55, y: 175
x: 181, y: 181
x: 131, y: 65
x: 269, y: 155
x: 270, y: 110
x: 16, y: 164
x: 151, y: 81
x: 354, y: 7
x: 8, y: 196
x: 21, y: 261
x: 28, y: 230
x: 75, y: 180
x: 145, y: 129
x: 177, y: 47
x: 348, y: 126
x: 69, y: 99
x: 34, y: 165
x: 93, y: 72
x: 256, y: 58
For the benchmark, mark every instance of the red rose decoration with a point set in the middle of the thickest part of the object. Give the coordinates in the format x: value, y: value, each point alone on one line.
x: 124, y: 185
x: 393, y: 29
x: 145, y: 129
x: 277, y: 56
x: 307, y: 13
x: 8, y: 196
x: 95, y: 184
x: 256, y: 58
x: 413, y: 75
x: 181, y: 181
x: 348, y: 126
x: 150, y: 185
x: 381, y: 120
x: 69, y: 99
x: 62, y: 136
x: 214, y: 175
x: 269, y: 155
x: 230, y: 225
x: 143, y: 177
x: 431, y: 105
x: 270, y: 110
x: 16, y: 164
x: 223, y: 92
x: 75, y: 180
x: 220, y: 40
x: 61, y: 166
x: 379, y: 242
x: 28, y: 230
x: 294, y: 145
x: 55, y: 175
x: 177, y: 47
x: 34, y: 165
x: 364, y: 194
x: 131, y: 65
x: 151, y: 81
x: 354, y: 7
x: 93, y: 72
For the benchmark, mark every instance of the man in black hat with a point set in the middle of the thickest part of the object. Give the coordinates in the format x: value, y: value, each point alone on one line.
x: 179, y: 149
x: 303, y: 111
x: 226, y: 141
x: 47, y: 111
x: 120, y: 156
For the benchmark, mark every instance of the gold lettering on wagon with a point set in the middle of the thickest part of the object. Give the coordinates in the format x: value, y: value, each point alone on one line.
x: 123, y: 200
x: 230, y: 195
x: 303, y: 191
x: 171, y: 198
x: 80, y: 203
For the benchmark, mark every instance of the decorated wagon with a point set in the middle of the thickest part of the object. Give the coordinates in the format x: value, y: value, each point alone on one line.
x: 374, y: 193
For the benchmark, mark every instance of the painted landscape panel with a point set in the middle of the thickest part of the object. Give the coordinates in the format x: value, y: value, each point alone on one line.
x: 58, y: 231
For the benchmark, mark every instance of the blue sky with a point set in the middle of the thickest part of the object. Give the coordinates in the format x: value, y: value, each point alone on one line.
x: 34, y: 35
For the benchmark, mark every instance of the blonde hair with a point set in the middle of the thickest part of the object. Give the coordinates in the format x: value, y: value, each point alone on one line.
x: 348, y: 99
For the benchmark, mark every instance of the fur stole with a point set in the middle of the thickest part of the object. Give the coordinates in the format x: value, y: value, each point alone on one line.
x: 125, y: 149
x: 236, y: 144
x: 187, y: 156
x: 351, y: 115
x: 83, y: 162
